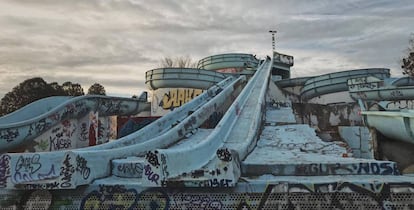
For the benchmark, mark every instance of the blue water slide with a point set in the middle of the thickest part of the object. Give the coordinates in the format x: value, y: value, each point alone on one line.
x: 36, y: 118
x: 219, y: 149
x: 162, y: 133
x: 182, y: 78
x: 230, y: 60
x: 338, y: 81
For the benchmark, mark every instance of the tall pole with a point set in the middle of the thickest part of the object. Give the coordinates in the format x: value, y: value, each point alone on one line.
x: 273, y: 39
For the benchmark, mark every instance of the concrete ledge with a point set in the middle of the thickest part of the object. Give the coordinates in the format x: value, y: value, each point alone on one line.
x: 356, y: 167
x: 130, y: 167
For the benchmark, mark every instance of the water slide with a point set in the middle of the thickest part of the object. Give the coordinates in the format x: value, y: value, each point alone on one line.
x: 337, y: 82
x: 215, y: 153
x: 398, y: 125
x: 248, y: 155
x: 373, y: 89
x: 22, y: 126
x: 229, y: 61
x: 231, y: 152
x: 181, y: 78
x: 29, y: 122
x: 96, y: 162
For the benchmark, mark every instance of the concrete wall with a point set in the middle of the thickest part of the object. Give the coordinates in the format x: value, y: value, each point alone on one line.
x: 362, y: 141
x: 328, y: 117
x: 293, y: 93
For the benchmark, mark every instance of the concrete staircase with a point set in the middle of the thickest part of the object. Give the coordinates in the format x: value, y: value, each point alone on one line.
x: 288, y: 149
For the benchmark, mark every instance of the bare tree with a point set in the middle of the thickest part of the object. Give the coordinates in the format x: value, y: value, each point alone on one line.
x: 166, y: 62
x: 407, y: 63
x: 178, y: 62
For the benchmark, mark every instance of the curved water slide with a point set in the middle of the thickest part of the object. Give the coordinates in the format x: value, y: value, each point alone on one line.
x: 29, y: 122
x: 79, y: 167
x: 337, y: 82
x: 213, y: 157
x: 398, y: 125
x: 374, y: 89
x: 175, y: 77
x: 403, y: 81
x: 186, y: 77
x: 292, y: 82
x: 228, y: 61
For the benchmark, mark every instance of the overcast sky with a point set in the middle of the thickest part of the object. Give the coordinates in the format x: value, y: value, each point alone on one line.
x: 115, y: 42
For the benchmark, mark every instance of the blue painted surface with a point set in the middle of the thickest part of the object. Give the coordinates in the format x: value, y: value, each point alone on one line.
x: 24, y: 127
x: 230, y: 60
x: 337, y: 82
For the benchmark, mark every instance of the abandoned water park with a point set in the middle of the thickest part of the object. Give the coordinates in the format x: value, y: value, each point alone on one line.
x: 236, y: 132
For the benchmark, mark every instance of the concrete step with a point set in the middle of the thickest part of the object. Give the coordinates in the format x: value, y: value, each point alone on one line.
x: 130, y: 167
x: 279, y: 116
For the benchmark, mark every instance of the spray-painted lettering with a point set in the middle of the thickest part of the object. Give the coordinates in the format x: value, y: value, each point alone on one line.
x: 67, y: 171
x: 4, y: 170
x: 82, y: 168
x: 151, y: 176
x: 177, y: 97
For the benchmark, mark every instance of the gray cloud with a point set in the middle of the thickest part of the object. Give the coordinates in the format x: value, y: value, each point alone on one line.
x: 115, y: 42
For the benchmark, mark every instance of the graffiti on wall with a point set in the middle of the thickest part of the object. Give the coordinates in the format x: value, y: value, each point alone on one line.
x: 326, y: 117
x: 369, y: 168
x: 4, y: 170
x: 336, y: 195
x: 65, y: 123
x: 27, y: 169
x: 400, y: 104
x: 93, y: 129
x: 9, y: 134
x: 165, y: 100
x: 193, y: 201
x: 283, y: 195
x: 110, y: 197
x: 177, y: 97
x: 83, y: 133
x: 66, y: 171
x: 74, y: 133
x: 130, y: 169
x: 282, y: 58
x: 82, y: 168
x: 111, y: 106
x: 61, y: 136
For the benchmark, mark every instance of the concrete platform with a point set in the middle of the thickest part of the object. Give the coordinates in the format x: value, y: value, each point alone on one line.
x: 296, y: 150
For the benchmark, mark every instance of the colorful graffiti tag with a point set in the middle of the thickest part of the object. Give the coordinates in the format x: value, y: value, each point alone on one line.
x: 165, y: 100
x: 177, y: 97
